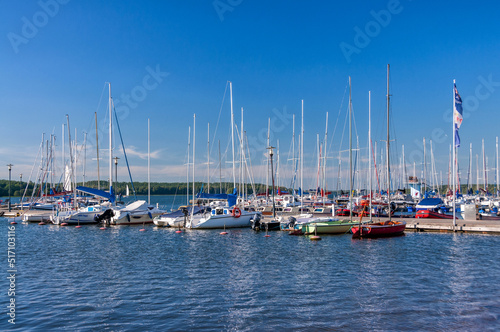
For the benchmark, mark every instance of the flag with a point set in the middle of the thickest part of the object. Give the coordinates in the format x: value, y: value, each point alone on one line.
x: 457, y: 114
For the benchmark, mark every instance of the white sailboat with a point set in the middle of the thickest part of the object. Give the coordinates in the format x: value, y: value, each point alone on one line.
x: 221, y: 217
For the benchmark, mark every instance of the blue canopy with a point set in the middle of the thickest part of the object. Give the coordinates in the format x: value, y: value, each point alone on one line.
x: 231, y: 199
x: 98, y: 193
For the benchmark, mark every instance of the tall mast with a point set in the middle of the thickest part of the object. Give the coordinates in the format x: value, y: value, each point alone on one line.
x: 187, y: 166
x: 470, y: 167
x: 149, y: 164
x: 325, y: 187
x: 484, y: 169
x: 369, y: 148
x: 388, y: 143
x: 110, y: 143
x: 84, y: 156
x: 404, y: 170
x: 208, y: 158
x: 232, y: 131
x: 454, y: 148
x: 71, y: 160
x: 496, y: 162
x: 350, y: 152
x: 302, y: 160
x: 97, y: 150
x: 267, y: 159
x: 242, y: 151
x: 220, y: 172
x: 194, y: 145
x: 425, y: 170
x: 63, y: 164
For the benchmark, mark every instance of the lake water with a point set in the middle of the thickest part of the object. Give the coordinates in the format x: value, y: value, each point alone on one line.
x: 124, y: 279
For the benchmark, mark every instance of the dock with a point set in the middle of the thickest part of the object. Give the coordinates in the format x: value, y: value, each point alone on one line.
x: 446, y: 225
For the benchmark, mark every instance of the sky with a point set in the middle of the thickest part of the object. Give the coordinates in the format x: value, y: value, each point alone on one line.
x: 169, y: 60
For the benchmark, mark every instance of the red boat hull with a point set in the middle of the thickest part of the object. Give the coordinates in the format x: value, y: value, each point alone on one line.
x: 431, y: 214
x: 380, y: 229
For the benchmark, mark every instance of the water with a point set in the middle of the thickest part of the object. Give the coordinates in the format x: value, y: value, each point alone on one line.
x: 123, y: 279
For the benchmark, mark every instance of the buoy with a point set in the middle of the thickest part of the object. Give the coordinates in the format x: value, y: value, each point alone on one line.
x: 41, y: 223
x: 78, y: 226
x: 13, y: 223
x: 64, y: 224
x: 179, y: 231
x: 142, y: 230
x: 315, y: 238
x: 103, y: 228
x: 267, y: 235
x: 224, y: 232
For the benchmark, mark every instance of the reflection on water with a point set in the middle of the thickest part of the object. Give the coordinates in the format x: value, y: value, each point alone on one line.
x: 124, y: 279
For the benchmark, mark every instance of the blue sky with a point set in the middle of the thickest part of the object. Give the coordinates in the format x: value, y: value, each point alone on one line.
x: 57, y: 55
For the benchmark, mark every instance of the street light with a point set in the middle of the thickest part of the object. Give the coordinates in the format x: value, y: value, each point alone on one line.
x: 21, y: 178
x: 10, y: 169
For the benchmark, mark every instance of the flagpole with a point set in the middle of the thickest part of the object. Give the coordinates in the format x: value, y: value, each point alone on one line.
x: 453, y: 158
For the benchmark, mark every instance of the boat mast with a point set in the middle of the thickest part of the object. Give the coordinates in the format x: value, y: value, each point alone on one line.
x: 208, y: 158
x: 84, y: 156
x: 71, y: 161
x: 220, y: 172
x: 149, y: 164
x: 110, y: 143
x: 267, y: 172
x: 97, y: 149
x: 350, y: 152
x: 187, y: 166
x: 232, y: 131
x: 242, y: 151
x: 325, y: 187
x: 194, y: 145
x: 63, y: 165
x: 485, y: 181
x: 387, y: 144
x: 302, y: 161
x: 496, y: 162
x: 369, y: 150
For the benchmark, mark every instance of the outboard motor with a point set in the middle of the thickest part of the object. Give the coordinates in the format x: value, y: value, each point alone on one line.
x: 291, y: 222
x: 185, y: 212
x: 256, y: 224
x: 105, y: 217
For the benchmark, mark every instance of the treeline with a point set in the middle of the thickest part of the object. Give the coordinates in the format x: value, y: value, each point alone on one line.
x: 141, y: 188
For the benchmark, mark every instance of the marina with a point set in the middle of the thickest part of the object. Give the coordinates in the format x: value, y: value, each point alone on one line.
x: 250, y: 166
x: 76, y: 279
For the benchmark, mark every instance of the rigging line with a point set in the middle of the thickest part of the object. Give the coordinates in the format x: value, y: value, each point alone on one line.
x: 100, y: 99
x: 218, y: 119
x: 124, y: 152
x: 337, y: 121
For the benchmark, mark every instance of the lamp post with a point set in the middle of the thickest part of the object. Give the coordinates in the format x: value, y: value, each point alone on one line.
x: 21, y: 178
x: 10, y: 169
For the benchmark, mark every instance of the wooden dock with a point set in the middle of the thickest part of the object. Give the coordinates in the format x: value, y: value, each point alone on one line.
x: 446, y: 225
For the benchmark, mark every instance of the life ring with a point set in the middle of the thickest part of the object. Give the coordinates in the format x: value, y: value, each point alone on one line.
x: 236, y: 212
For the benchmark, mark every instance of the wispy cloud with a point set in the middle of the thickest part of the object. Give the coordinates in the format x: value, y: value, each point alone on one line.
x: 132, y: 151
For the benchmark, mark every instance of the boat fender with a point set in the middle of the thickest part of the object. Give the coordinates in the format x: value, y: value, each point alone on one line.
x: 128, y: 217
x: 150, y: 216
x: 236, y: 212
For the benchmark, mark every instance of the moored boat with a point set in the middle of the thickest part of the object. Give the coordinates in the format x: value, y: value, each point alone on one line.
x: 379, y: 229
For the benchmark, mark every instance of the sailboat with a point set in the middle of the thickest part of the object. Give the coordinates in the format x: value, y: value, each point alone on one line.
x: 384, y: 228
x: 327, y: 225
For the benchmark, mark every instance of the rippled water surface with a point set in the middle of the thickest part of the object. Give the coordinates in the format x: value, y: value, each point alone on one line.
x: 124, y: 279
